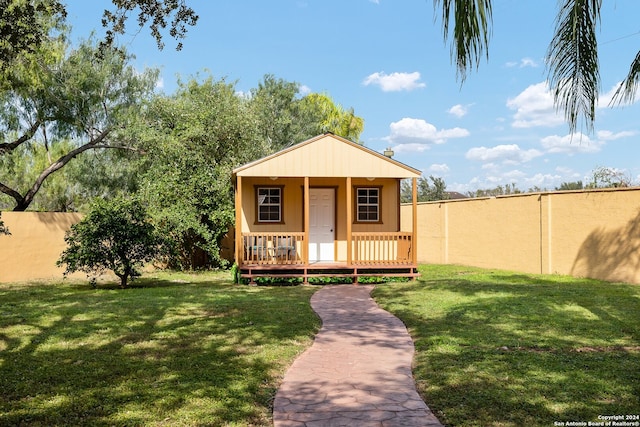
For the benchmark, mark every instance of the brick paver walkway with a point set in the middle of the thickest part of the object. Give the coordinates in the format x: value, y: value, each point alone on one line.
x: 356, y: 373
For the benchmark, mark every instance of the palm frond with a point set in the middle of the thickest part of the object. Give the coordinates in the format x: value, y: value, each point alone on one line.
x: 471, y: 33
x: 626, y: 92
x: 572, y: 61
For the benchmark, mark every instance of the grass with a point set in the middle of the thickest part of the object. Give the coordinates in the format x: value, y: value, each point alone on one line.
x: 495, y: 348
x: 176, y: 349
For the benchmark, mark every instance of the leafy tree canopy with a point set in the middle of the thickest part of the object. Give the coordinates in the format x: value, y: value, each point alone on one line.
x: 25, y: 25
x: 429, y: 189
x: 287, y: 117
x: 567, y: 186
x: 192, y: 140
x: 71, y: 103
x: 606, y: 177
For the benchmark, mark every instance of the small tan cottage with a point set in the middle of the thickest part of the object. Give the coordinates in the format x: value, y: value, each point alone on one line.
x: 324, y: 207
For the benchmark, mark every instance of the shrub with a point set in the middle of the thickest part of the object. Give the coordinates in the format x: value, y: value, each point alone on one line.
x: 116, y: 235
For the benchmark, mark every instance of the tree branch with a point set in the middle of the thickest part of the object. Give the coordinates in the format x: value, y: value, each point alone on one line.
x: 7, y: 147
x: 13, y: 193
x: 57, y: 165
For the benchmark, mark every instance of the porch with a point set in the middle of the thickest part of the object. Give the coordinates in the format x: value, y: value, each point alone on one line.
x: 286, y: 255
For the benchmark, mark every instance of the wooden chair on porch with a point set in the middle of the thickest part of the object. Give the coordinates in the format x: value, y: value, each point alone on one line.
x: 285, y: 248
x: 256, y: 249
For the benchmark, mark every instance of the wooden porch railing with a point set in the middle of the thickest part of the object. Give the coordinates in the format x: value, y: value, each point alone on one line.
x: 369, y: 249
x: 272, y: 248
x: 381, y: 248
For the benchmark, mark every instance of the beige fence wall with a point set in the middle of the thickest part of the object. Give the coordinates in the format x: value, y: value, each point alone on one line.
x: 584, y: 234
x: 34, y: 246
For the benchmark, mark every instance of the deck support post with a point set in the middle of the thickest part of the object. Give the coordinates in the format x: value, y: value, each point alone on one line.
x: 414, y: 225
x: 238, y: 231
x: 305, y: 255
x: 349, y: 203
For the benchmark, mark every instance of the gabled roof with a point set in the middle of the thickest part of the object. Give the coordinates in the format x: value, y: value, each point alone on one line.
x: 327, y: 155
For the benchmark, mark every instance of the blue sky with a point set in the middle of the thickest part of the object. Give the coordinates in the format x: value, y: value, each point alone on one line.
x: 387, y: 59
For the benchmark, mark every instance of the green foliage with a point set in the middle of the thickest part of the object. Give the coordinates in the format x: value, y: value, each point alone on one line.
x: 330, y: 280
x: 605, y: 177
x: 427, y: 192
x: 115, y: 235
x: 286, y: 118
x: 567, y: 186
x: 3, y: 228
x: 322, y: 115
x: 60, y: 107
x: 192, y: 140
x: 27, y: 26
x: 497, y: 191
x: 157, y: 13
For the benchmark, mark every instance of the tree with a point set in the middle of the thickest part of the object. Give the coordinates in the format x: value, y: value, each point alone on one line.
x: 193, y: 139
x: 605, y: 177
x: 275, y: 102
x: 25, y: 25
x: 286, y: 117
x: 568, y: 186
x: 115, y: 235
x: 497, y: 191
x: 321, y: 115
x: 427, y: 192
x: 86, y: 97
x: 572, y: 65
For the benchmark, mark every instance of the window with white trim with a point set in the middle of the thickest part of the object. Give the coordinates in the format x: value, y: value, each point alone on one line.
x: 368, y: 204
x: 269, y: 201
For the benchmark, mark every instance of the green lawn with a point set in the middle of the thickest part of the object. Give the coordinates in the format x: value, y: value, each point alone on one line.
x: 176, y: 349
x: 495, y: 348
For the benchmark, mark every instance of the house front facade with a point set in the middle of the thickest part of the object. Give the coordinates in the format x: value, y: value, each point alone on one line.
x: 326, y: 206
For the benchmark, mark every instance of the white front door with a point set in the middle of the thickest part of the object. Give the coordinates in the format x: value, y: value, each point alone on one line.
x: 321, y: 225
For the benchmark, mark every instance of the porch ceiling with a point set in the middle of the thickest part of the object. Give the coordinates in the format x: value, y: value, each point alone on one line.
x: 327, y: 155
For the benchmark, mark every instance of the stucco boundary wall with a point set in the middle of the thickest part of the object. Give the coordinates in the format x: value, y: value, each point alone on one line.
x: 36, y: 241
x: 592, y: 233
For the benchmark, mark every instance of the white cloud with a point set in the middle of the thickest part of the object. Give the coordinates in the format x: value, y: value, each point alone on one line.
x: 571, y: 144
x: 509, y: 154
x: 304, y: 90
x: 439, y: 168
x: 395, y: 82
x: 418, y: 131
x: 607, y: 135
x: 543, y: 181
x: 580, y: 143
x: 534, y: 107
x: 410, y: 148
x: 523, y: 63
x: 458, y: 110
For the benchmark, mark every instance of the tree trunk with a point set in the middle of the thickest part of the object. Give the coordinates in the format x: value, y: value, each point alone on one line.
x: 124, y: 277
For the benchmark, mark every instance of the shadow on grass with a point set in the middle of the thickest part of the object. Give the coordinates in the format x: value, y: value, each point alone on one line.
x: 501, y: 349
x: 203, y: 353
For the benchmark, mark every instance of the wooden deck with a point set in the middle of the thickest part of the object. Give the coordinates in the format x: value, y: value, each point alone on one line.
x: 337, y: 269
